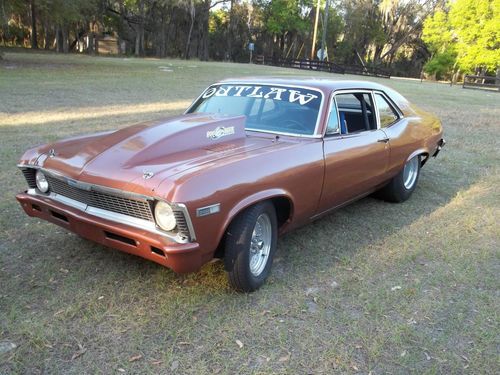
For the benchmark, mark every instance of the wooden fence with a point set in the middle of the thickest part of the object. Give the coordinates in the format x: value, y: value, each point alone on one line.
x: 326, y: 66
x: 481, y: 82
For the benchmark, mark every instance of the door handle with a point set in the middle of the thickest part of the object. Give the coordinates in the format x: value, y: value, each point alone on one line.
x: 384, y: 140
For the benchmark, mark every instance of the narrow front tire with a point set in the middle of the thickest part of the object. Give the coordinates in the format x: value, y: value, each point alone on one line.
x: 250, y: 246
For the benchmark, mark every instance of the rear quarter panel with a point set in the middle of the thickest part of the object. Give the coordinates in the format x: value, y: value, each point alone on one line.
x: 417, y: 133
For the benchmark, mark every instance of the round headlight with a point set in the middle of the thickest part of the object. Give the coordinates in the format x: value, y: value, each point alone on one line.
x: 41, y: 182
x: 165, y: 216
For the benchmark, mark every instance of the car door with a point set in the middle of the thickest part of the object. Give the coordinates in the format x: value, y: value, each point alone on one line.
x: 356, y: 150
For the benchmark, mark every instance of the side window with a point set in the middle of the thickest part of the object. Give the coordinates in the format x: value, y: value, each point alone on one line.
x: 333, y: 126
x: 355, y: 112
x: 386, y: 113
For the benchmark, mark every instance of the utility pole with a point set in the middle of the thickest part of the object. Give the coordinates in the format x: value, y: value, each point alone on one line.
x: 325, y: 27
x: 315, y: 31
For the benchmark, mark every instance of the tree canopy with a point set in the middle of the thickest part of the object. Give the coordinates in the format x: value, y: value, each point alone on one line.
x: 465, y: 36
x: 403, y: 35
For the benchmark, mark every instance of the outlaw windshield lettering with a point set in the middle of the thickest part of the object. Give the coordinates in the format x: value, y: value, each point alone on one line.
x: 295, y: 95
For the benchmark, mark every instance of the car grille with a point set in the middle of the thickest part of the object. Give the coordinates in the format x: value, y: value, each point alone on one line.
x: 29, y: 175
x: 138, y: 208
x: 182, y: 226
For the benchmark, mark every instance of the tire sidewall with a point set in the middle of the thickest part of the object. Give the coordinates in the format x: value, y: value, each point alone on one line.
x: 238, y: 244
x: 404, y: 191
x: 274, y: 239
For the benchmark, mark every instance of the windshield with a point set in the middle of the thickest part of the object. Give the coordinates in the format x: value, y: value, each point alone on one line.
x: 269, y: 108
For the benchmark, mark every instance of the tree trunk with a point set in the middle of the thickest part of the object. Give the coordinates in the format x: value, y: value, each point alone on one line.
x: 96, y: 43
x: 90, y: 39
x: 204, y: 31
x: 122, y: 40
x: 378, y: 52
x: 65, y: 40
x: 230, y: 26
x: 90, y: 45
x: 139, y: 37
x: 59, y: 39
x: 171, y: 31
x: 192, y: 13
x: 34, y: 39
x: 137, y: 43
x: 159, y: 38
x: 165, y: 35
x: 47, y: 35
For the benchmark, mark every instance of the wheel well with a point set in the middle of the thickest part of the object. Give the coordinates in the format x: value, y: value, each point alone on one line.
x: 283, y: 207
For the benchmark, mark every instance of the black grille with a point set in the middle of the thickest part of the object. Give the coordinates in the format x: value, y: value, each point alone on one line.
x: 182, y: 226
x: 137, y: 208
x: 29, y: 175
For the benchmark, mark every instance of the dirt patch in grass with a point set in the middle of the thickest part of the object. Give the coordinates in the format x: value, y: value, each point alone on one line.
x: 34, y: 61
x: 373, y: 287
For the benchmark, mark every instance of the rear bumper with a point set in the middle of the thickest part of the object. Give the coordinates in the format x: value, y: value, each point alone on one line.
x: 181, y: 258
x: 439, y: 147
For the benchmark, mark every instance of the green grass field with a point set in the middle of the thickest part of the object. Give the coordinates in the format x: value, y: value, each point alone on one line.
x: 372, y: 288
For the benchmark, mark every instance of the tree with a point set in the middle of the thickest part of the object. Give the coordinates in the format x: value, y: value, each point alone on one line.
x: 190, y: 5
x: 466, y: 35
x: 477, y: 26
x: 284, y: 19
x: 438, y: 36
x: 34, y: 40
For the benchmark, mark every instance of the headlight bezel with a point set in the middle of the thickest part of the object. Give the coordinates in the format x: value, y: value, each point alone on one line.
x: 169, y: 223
x: 42, y: 184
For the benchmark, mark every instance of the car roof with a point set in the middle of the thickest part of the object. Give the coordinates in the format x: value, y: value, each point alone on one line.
x: 323, y: 84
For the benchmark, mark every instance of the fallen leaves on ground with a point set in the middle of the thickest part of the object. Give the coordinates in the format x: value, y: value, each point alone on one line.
x: 135, y: 358
x: 81, y: 351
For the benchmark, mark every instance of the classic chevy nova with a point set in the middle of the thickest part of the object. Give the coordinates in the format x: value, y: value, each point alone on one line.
x: 250, y: 159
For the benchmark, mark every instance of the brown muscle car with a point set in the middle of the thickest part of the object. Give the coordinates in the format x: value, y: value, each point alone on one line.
x: 249, y: 160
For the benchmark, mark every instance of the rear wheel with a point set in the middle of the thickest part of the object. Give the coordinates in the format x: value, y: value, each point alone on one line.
x: 403, y: 184
x: 250, y: 246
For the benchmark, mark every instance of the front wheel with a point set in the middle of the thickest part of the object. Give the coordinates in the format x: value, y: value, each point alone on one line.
x: 250, y: 246
x: 403, y: 184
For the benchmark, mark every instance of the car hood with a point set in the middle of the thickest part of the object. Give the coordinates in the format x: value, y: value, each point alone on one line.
x: 140, y: 157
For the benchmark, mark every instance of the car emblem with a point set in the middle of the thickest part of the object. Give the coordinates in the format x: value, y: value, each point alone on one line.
x: 147, y: 175
x: 220, y: 132
x: 52, y: 153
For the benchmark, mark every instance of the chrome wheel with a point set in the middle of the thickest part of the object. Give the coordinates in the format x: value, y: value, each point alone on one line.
x: 260, y: 244
x: 410, y: 172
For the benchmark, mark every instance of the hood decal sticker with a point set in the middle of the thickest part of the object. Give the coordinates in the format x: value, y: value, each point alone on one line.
x: 147, y: 175
x: 220, y: 132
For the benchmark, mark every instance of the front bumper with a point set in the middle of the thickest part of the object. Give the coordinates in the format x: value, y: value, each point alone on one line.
x: 180, y: 257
